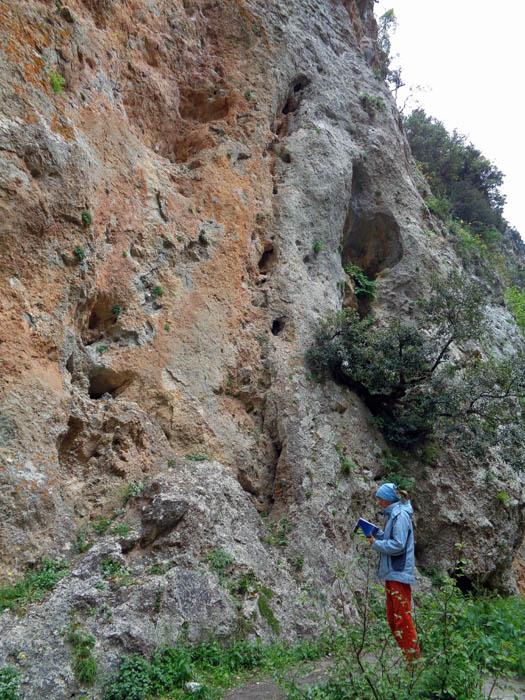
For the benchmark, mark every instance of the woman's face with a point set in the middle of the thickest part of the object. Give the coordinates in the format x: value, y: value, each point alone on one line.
x: 383, y: 504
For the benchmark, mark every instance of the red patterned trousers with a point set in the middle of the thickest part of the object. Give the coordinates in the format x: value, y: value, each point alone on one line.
x: 398, y: 604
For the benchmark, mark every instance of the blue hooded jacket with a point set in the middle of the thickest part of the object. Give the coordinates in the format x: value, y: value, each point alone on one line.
x: 395, y: 544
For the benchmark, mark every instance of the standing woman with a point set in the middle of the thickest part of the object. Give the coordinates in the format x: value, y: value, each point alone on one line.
x: 395, y: 545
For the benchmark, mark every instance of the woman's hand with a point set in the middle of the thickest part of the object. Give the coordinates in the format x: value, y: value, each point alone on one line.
x: 371, y: 539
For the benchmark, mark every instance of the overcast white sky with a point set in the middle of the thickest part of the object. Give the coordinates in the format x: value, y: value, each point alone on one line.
x: 470, y: 54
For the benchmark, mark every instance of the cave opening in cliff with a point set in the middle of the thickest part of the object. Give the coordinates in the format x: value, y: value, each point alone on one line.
x: 278, y: 325
x: 266, y: 261
x: 463, y: 582
x: 294, y: 97
x: 290, y: 104
x: 371, y: 237
x: 104, y: 380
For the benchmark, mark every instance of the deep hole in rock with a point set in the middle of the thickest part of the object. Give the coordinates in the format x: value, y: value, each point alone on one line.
x: 104, y: 380
x: 278, y: 325
x: 371, y: 238
x: 69, y: 364
x: 294, y: 97
x: 101, y: 318
x: 266, y: 261
x: 67, y: 443
x: 464, y: 583
x: 204, y: 105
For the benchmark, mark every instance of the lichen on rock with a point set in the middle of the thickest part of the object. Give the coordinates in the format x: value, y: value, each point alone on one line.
x: 230, y: 172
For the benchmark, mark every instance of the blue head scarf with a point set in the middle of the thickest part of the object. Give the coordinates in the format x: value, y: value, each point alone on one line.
x: 387, y: 492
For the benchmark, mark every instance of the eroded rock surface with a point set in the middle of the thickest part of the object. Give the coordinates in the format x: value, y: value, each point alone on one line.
x: 172, y: 226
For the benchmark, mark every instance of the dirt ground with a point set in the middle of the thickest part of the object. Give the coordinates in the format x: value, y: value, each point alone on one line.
x: 319, y: 671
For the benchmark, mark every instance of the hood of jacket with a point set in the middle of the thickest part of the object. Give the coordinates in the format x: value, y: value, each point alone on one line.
x: 394, y: 508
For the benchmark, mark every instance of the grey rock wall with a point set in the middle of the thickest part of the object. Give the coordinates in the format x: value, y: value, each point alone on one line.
x: 202, y: 398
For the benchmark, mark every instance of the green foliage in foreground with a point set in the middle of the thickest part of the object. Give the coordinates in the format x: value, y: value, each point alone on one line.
x: 9, y: 683
x: 416, y: 392
x: 213, y: 665
x: 33, y: 585
x: 462, y: 640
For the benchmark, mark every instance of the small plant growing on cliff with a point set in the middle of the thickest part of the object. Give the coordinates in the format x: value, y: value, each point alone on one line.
x: 196, y: 457
x: 317, y: 246
x: 503, y: 497
x: 86, y: 217
x: 515, y: 298
x: 101, y: 526
x: 81, y: 543
x: 116, y: 310
x: 57, y: 82
x: 79, y: 253
x: 220, y: 561
x: 122, y: 530
x: 9, y: 683
x: 267, y: 613
x: 248, y: 95
x: 363, y: 286
x: 111, y: 568
x: 133, y: 490
x: 84, y: 663
x: 33, y: 585
x: 157, y: 290
x: 372, y: 104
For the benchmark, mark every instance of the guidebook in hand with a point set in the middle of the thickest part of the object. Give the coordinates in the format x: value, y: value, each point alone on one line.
x: 366, y: 527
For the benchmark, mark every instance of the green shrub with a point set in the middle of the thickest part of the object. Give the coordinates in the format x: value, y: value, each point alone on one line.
x: 515, y: 298
x: 84, y: 663
x: 86, y: 217
x: 503, y: 497
x: 267, y: 613
x: 131, y: 682
x: 441, y: 206
x: 79, y: 253
x: 111, y: 568
x: 372, y: 104
x: 416, y: 394
x: 363, y: 286
x: 464, y: 183
x: 9, y: 683
x: 170, y: 668
x: 122, y: 529
x: 455, y: 656
x: 116, y: 310
x: 317, y: 246
x: 101, y: 526
x: 133, y: 490
x: 220, y: 561
x: 33, y: 585
x: 57, y: 82
x: 157, y: 290
x: 196, y: 457
x: 81, y: 542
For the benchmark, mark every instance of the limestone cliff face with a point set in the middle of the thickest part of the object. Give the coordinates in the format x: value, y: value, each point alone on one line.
x: 172, y: 226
